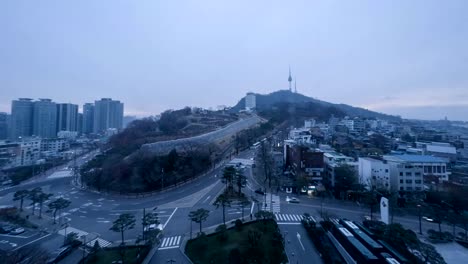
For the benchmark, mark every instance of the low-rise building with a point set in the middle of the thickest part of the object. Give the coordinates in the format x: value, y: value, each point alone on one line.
x: 333, y: 160
x: 374, y: 173
x: 417, y: 165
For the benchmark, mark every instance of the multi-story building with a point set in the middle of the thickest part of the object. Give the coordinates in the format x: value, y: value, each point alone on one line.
x: 88, y: 118
x: 4, y: 119
x: 21, y: 122
x: 67, y: 117
x: 108, y: 114
x: 309, y: 123
x: 8, y: 154
x: 333, y: 160
x: 374, y: 173
x: 250, y: 101
x: 44, y: 118
x: 429, y: 167
x: 54, y: 145
x: 301, y: 135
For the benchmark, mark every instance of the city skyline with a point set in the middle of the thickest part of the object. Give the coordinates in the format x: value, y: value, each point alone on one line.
x: 403, y: 58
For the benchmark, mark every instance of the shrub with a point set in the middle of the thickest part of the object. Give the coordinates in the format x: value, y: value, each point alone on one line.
x: 238, y: 224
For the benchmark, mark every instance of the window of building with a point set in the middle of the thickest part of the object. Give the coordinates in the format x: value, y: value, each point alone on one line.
x: 401, y: 188
x: 417, y: 181
x: 386, y: 170
x: 418, y: 188
x: 401, y: 173
x: 408, y: 173
x: 401, y: 181
x: 417, y: 174
x: 443, y: 169
x: 409, y: 188
x: 409, y: 181
x: 429, y: 169
x: 439, y: 169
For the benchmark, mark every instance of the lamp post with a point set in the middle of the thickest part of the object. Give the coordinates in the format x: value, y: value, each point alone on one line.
x: 84, y: 246
x: 162, y: 179
x: 65, y: 238
x: 419, y: 214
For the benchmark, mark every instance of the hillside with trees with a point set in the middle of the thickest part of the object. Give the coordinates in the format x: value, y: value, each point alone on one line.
x: 268, y: 101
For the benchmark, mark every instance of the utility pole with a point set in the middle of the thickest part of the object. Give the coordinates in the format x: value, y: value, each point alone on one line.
x: 144, y: 223
x: 419, y: 214
x: 84, y: 246
x: 162, y: 178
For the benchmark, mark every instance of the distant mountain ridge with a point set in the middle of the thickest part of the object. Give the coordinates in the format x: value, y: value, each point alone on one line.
x: 265, y: 101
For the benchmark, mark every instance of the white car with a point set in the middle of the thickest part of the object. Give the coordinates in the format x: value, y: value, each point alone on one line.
x: 428, y: 219
x: 154, y: 227
x: 17, y: 231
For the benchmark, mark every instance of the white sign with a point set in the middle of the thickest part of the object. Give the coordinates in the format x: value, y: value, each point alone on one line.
x: 384, y: 210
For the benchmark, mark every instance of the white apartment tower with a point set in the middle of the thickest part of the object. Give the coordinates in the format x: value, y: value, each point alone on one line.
x: 250, y: 101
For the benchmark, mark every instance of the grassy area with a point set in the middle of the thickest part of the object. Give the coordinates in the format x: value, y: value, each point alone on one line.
x: 133, y: 255
x: 256, y: 242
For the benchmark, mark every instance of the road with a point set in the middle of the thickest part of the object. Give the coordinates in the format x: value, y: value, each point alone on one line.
x: 92, y: 213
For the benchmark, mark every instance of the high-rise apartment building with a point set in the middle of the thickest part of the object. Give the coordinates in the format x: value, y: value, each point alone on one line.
x: 21, y: 122
x: 250, y: 101
x: 67, y: 117
x: 4, y: 118
x: 108, y: 113
x: 45, y: 118
x: 88, y: 118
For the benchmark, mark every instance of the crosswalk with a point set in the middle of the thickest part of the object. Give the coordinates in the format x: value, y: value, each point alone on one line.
x: 170, y: 242
x: 102, y: 242
x: 288, y: 217
x: 271, y: 203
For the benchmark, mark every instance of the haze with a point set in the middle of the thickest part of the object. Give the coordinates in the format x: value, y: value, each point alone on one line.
x: 399, y: 57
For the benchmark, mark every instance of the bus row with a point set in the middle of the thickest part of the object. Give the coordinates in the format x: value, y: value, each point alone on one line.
x: 360, y: 246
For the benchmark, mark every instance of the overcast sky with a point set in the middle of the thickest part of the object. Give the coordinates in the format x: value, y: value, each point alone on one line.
x: 400, y: 57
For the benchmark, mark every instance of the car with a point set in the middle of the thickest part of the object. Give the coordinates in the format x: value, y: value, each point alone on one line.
x: 428, y: 219
x: 17, y: 231
x: 259, y: 191
x: 154, y: 227
x: 293, y: 200
x: 5, y: 229
x: 59, y: 254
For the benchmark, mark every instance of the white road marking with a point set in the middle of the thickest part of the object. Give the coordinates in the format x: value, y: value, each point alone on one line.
x: 299, y: 238
x: 170, y: 217
x: 207, y: 198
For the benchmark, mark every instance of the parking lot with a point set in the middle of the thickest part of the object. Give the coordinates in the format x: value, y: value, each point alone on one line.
x: 12, y: 242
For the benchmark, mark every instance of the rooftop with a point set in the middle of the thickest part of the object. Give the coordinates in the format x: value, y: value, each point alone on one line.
x: 415, y: 158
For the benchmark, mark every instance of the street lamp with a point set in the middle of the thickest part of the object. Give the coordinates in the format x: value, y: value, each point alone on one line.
x: 84, y: 246
x: 419, y: 214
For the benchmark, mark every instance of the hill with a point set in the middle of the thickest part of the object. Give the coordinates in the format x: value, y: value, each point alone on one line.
x: 267, y: 101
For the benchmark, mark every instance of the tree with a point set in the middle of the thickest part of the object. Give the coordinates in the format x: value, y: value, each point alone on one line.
x: 228, y: 176
x: 437, y: 213
x: 199, y: 216
x: 123, y: 223
x: 148, y: 220
x: 71, y: 238
x: 264, y: 215
x: 58, y: 205
x: 345, y: 179
x: 370, y: 199
x: 20, y: 195
x: 241, y: 181
x: 33, y: 196
x: 243, y: 203
x: 223, y: 201
x: 41, y: 198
